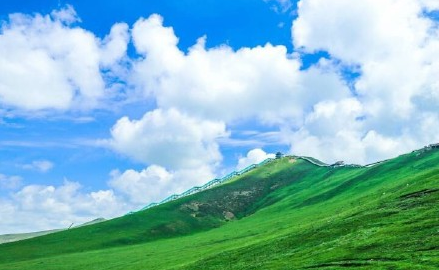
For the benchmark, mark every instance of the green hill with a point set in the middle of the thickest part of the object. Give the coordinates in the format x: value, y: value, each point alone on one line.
x: 287, y: 214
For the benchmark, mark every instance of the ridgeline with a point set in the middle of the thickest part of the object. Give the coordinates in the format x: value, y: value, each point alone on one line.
x: 287, y: 214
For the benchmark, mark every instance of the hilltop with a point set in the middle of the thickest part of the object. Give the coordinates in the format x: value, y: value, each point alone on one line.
x: 287, y: 214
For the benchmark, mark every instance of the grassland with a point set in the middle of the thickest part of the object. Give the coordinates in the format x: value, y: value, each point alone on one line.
x: 284, y: 215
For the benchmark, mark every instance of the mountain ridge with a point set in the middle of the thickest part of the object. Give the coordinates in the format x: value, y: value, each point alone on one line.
x: 288, y: 214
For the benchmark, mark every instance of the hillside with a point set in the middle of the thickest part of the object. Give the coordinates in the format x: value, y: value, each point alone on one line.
x: 287, y: 214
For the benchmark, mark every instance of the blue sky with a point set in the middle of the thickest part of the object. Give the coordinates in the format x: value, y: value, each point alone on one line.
x: 110, y: 105
x: 65, y: 140
x: 222, y: 21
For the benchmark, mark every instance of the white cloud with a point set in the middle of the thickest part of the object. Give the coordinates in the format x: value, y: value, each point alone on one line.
x: 169, y: 138
x: 391, y: 42
x: 314, y: 108
x: 394, y: 45
x: 144, y: 186
x: 218, y: 83
x: 330, y: 117
x: 346, y: 34
x: 67, y: 15
x: 254, y: 156
x: 114, y: 46
x: 429, y: 5
x: 39, y: 165
x: 10, y: 182
x: 395, y: 48
x: 339, y: 131
x: 182, y: 152
x: 155, y: 183
x: 49, y: 64
x: 37, y: 207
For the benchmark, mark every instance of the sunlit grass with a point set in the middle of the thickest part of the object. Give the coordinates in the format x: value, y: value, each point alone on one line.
x: 286, y: 216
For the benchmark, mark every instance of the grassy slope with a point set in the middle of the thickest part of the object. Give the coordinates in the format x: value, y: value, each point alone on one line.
x: 288, y: 216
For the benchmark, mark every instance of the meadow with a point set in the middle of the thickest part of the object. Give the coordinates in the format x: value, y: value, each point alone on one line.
x: 287, y: 214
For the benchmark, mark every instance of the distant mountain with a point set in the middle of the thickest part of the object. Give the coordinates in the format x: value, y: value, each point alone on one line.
x: 7, y: 238
x: 94, y: 221
x: 291, y: 213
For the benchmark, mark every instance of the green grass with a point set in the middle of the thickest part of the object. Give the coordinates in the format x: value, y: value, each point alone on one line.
x: 280, y: 216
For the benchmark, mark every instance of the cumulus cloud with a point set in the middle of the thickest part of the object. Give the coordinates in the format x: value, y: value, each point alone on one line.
x: 49, y: 64
x: 394, y: 46
x: 254, y: 156
x: 169, y: 138
x: 39, y: 165
x: 37, y: 207
x: 264, y: 82
x: 391, y: 41
x: 317, y: 111
x: 67, y: 15
x: 144, y: 186
x: 182, y: 152
x: 395, y: 64
x: 114, y: 46
x: 154, y: 183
